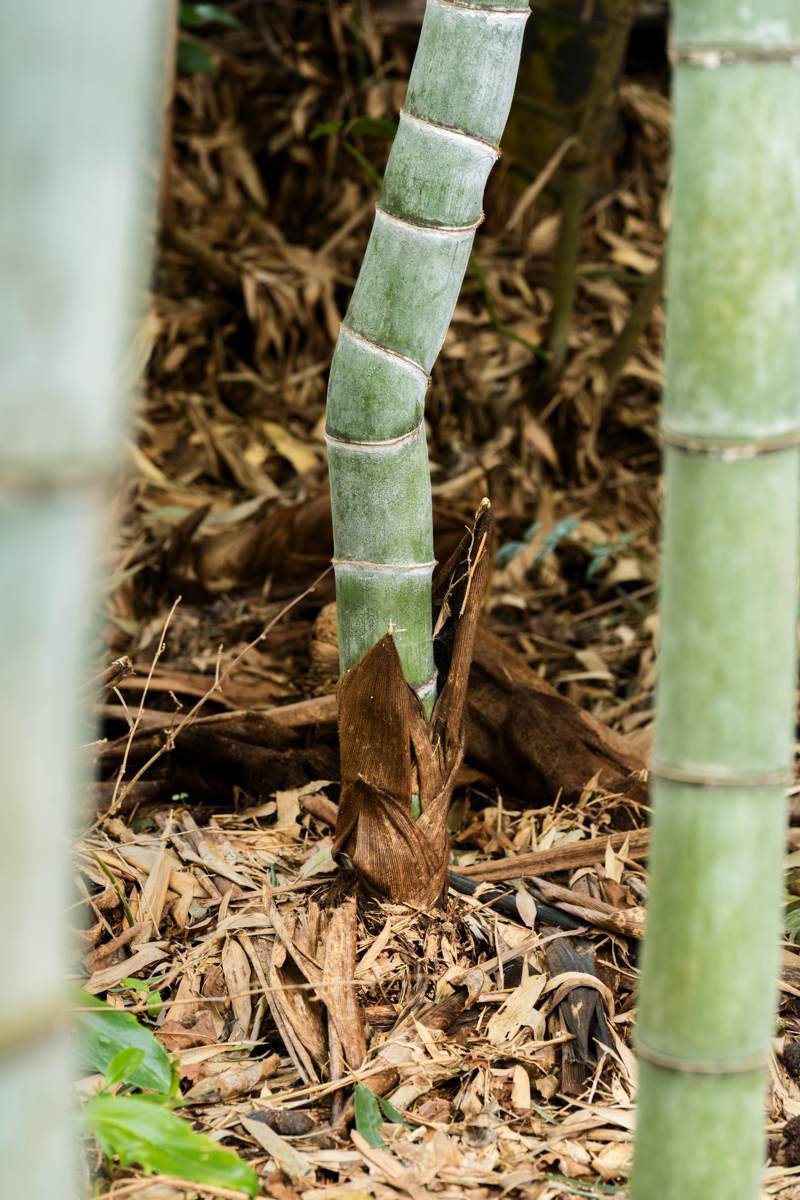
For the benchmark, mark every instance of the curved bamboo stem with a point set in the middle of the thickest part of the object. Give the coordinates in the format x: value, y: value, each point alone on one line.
x: 458, y: 99
x: 725, y: 706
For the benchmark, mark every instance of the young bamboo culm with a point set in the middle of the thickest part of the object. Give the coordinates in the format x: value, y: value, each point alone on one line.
x: 456, y: 107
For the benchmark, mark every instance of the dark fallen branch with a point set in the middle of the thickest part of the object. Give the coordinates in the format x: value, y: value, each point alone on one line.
x: 505, y: 903
x: 575, y: 910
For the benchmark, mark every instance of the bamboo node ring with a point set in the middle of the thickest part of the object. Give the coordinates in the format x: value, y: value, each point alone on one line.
x: 408, y: 568
x: 692, y: 1066
x: 455, y: 230
x: 378, y: 443
x: 453, y: 129
x: 730, y: 451
x: 39, y: 1025
x: 499, y: 10
x: 722, y: 779
x: 711, y: 57
x: 40, y: 481
x: 384, y: 351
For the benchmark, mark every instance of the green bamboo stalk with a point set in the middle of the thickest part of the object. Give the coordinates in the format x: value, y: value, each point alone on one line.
x: 725, y: 706
x: 458, y: 99
x: 76, y: 82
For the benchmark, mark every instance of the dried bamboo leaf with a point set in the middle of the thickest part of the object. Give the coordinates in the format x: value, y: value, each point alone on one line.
x: 236, y: 970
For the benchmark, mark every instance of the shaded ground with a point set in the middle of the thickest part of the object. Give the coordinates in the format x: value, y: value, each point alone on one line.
x: 502, y: 1037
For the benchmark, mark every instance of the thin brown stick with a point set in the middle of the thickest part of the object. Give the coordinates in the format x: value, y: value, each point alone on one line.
x: 111, y: 676
x: 219, y: 680
x: 627, y: 921
x: 559, y: 858
x: 617, y: 355
x: 130, y: 1187
x: 116, y: 799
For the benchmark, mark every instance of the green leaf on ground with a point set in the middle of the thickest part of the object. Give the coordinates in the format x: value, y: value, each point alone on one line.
x: 195, y: 60
x: 193, y: 16
x: 391, y: 1113
x: 368, y: 1116
x: 136, y: 1131
x: 325, y: 129
x: 378, y: 127
x: 124, y: 1065
x: 371, y: 1112
x: 153, y: 999
x: 107, y: 1032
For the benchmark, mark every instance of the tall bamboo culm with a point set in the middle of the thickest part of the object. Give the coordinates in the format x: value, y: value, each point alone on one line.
x: 458, y: 99
x: 725, y: 705
x: 76, y: 84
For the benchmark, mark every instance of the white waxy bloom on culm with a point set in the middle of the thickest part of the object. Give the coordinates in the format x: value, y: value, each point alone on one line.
x: 456, y: 107
x: 725, y: 704
x: 78, y: 84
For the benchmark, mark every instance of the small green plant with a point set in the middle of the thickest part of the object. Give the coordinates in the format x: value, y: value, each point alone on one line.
x: 602, y: 554
x: 131, y: 1117
x: 193, y: 58
x: 563, y: 531
x: 371, y: 1111
x: 150, y: 995
x: 375, y: 127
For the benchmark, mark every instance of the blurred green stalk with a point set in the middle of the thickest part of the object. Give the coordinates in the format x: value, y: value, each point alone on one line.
x: 79, y: 83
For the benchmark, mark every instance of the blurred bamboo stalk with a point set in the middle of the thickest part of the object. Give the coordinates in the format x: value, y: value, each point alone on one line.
x: 77, y: 90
